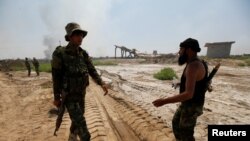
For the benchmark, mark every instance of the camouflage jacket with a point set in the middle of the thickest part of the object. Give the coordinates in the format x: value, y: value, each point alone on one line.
x: 35, y: 63
x: 70, y: 70
x: 27, y: 64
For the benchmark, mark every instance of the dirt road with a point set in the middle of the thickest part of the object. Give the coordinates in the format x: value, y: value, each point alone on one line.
x: 25, y: 103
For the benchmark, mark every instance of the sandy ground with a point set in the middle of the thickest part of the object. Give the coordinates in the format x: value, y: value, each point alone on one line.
x: 228, y: 103
x: 26, y: 102
x: 127, y: 113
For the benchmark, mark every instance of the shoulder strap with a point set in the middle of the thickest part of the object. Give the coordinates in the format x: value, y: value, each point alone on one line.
x: 206, y: 67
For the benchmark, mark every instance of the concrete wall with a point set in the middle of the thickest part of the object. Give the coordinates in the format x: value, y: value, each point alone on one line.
x: 219, y: 51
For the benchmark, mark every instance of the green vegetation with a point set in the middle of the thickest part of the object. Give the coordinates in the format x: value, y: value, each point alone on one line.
x: 247, y: 61
x: 245, y: 58
x: 17, y: 68
x: 45, y: 67
x: 240, y: 57
x: 165, y: 74
x: 15, y: 65
x: 103, y: 63
x: 241, y: 64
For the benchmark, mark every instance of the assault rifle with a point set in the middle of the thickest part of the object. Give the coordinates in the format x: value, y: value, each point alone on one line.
x: 61, y: 111
x: 210, y: 77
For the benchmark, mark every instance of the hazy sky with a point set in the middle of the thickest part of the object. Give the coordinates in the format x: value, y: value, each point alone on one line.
x: 29, y: 27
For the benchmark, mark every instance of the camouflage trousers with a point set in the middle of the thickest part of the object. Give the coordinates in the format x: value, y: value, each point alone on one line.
x: 37, y: 70
x: 78, y: 122
x: 29, y: 70
x: 184, y: 121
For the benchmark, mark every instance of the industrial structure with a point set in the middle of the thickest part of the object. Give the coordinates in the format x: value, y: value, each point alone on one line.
x: 124, y: 51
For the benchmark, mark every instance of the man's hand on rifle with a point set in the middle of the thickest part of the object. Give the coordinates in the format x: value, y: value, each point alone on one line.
x: 175, y: 85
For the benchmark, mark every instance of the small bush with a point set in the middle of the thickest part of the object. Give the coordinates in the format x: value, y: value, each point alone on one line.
x: 166, y: 74
x: 241, y: 64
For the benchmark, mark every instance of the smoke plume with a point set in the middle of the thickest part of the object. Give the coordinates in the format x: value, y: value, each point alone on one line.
x: 50, y: 42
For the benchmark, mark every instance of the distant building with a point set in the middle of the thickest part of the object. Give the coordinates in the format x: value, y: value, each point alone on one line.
x: 219, y: 49
x: 155, y: 52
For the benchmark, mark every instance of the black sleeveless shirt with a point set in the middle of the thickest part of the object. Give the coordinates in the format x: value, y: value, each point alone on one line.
x: 200, y: 87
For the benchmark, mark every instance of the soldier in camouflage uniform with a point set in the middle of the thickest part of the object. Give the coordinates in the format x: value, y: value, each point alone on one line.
x: 36, y: 65
x: 192, y: 91
x: 71, y: 67
x: 27, y: 64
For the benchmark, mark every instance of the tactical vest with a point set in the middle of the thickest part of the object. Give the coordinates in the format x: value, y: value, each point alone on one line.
x: 75, y: 71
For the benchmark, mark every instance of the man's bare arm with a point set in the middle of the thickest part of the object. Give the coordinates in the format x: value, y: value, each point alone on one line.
x: 191, y: 77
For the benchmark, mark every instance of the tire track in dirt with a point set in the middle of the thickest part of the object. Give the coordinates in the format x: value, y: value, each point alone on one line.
x: 144, y: 125
x: 109, y: 118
